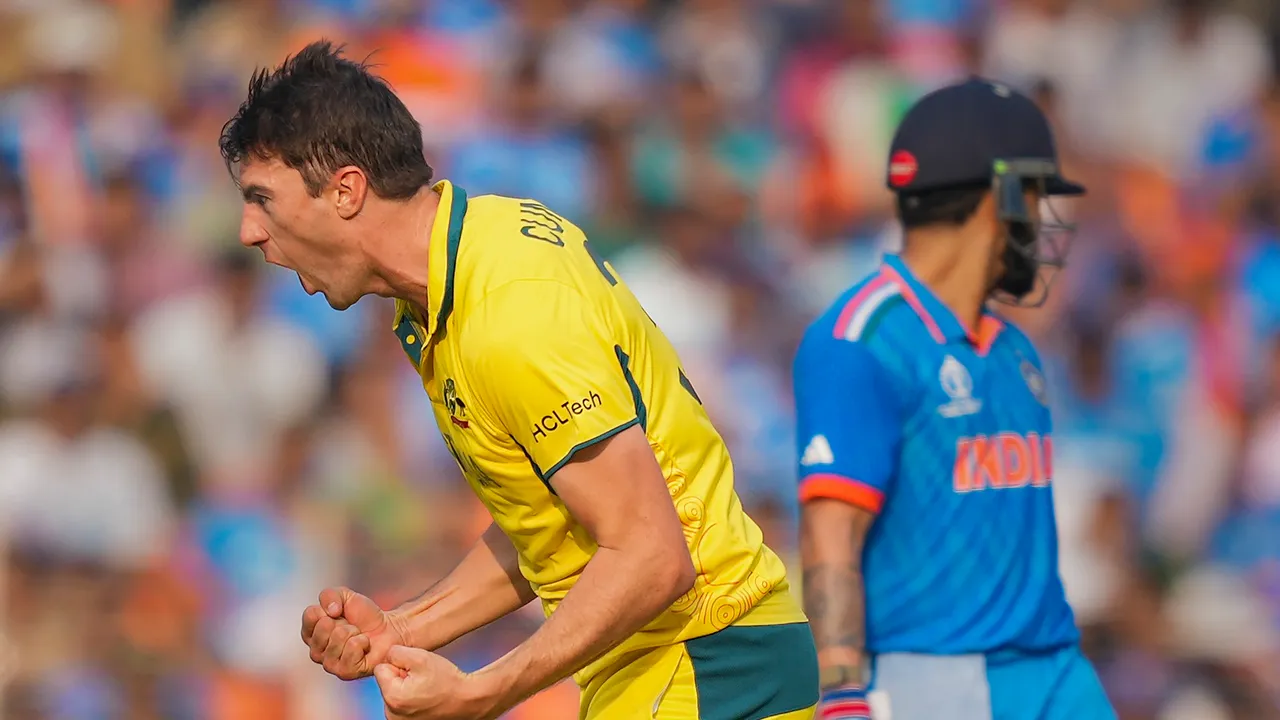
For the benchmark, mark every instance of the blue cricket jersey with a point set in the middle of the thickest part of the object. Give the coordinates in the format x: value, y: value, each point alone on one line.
x: 948, y: 438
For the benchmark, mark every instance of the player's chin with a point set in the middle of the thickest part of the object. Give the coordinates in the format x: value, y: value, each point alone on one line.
x: 307, y: 287
x: 339, y: 302
x: 335, y: 301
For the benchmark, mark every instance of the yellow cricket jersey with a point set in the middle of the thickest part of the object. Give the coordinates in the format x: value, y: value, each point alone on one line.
x: 532, y: 349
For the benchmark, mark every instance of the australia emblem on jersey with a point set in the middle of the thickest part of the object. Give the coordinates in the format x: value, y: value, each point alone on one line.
x: 957, y: 383
x: 457, y: 408
x: 1035, y: 381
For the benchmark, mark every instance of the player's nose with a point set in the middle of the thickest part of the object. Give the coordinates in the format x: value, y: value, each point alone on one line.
x: 252, y: 234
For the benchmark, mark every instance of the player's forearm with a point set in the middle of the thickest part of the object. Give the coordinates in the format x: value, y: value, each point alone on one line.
x: 484, y: 587
x: 618, y: 593
x: 835, y: 603
x: 831, y: 540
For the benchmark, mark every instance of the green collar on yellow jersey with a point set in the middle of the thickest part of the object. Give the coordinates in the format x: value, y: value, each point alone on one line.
x: 442, y: 265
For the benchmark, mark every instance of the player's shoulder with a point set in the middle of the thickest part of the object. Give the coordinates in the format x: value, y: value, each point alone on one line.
x: 518, y: 223
x: 860, y: 333
x: 527, y: 309
x: 490, y: 210
x: 509, y: 238
x: 872, y: 316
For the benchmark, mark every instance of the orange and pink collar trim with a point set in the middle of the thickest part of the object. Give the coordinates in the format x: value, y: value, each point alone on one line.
x: 941, y: 322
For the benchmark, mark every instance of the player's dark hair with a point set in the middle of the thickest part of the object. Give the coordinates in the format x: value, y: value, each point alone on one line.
x: 944, y: 206
x: 319, y: 111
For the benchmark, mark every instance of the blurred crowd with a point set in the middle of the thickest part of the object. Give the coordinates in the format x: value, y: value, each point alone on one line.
x: 191, y: 447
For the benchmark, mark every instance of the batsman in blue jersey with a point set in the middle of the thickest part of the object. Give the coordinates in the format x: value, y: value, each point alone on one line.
x: 925, y: 445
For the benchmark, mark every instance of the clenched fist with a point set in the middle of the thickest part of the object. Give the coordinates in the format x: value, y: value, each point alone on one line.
x: 419, y: 685
x: 348, y: 633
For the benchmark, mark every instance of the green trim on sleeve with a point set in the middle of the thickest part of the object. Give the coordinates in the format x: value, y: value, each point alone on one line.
x: 642, y: 413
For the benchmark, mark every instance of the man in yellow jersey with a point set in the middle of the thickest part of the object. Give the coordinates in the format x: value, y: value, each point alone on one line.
x: 611, y: 492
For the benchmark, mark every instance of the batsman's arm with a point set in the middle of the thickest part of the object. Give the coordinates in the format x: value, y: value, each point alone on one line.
x: 832, y: 533
x: 616, y: 490
x: 849, y: 418
x: 485, y: 586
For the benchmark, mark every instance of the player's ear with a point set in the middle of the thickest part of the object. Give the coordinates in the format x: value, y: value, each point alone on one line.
x: 351, y: 190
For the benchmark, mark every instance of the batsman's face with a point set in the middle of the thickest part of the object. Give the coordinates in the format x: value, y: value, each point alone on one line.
x: 297, y: 231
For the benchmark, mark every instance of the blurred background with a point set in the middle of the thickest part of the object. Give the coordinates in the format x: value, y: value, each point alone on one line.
x: 191, y: 447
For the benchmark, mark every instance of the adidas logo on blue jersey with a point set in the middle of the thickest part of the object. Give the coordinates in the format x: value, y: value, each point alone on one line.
x: 818, y: 452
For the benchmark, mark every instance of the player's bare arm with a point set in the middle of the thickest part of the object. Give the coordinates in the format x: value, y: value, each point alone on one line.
x: 832, y: 533
x: 350, y: 635
x: 618, y: 493
x: 616, y: 490
x: 486, y: 585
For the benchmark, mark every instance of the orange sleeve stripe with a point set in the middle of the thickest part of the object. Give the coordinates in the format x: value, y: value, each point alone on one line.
x: 838, y: 487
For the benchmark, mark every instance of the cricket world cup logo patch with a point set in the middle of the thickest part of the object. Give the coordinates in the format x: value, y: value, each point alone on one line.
x: 957, y: 383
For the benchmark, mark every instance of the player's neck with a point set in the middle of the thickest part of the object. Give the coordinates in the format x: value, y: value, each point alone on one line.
x: 398, y: 244
x: 955, y: 277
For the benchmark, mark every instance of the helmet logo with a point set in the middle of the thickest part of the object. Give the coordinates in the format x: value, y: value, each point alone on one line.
x: 902, y: 168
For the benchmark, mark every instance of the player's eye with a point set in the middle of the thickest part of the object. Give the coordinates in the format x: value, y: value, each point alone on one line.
x: 259, y: 199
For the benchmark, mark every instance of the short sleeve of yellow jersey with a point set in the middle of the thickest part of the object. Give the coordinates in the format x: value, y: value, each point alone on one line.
x: 549, y: 370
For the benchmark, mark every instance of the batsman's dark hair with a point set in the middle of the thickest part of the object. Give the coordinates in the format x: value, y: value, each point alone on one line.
x: 319, y: 111
x: 943, y: 206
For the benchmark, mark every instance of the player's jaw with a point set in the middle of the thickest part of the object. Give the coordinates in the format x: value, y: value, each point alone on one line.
x: 307, y: 260
x: 999, y: 234
x: 326, y: 264
x: 334, y: 292
x: 998, y: 265
x: 337, y: 291
x: 339, y: 301
x: 307, y: 288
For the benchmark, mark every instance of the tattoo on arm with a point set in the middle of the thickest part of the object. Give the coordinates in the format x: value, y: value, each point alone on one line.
x: 834, y: 602
x: 832, y: 537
